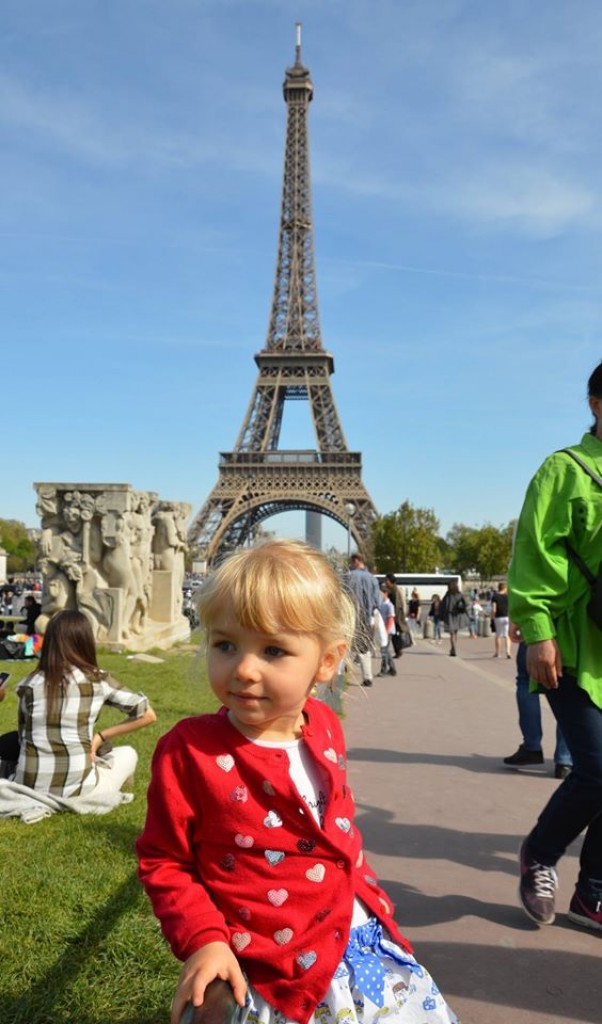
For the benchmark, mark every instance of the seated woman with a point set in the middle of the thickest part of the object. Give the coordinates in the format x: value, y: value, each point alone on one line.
x: 59, y: 703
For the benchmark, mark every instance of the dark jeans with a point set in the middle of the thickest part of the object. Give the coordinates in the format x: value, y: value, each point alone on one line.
x: 577, y: 803
x: 529, y: 713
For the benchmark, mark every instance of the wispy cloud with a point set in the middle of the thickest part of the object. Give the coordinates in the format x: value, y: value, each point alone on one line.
x: 88, y: 132
x: 446, y: 272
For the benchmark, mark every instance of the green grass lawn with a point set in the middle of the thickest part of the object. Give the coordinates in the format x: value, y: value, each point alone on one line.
x: 79, y: 942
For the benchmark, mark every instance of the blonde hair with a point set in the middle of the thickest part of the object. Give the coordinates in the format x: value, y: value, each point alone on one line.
x: 280, y: 585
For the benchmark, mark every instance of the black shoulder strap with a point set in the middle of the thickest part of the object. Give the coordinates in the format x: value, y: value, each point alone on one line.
x: 577, y: 559
x: 576, y: 458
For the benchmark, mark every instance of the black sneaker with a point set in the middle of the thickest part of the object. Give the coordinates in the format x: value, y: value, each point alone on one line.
x: 367, y: 682
x: 537, y: 888
x: 561, y: 771
x: 524, y: 756
x: 586, y: 911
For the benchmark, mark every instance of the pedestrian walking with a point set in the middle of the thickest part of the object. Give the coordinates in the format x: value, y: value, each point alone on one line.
x: 454, y: 614
x: 386, y: 612
x: 499, y: 613
x: 414, y: 613
x: 558, y: 536
x: 366, y: 594
x: 530, y: 751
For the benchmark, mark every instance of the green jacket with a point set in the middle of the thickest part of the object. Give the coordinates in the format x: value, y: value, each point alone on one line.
x: 548, y: 593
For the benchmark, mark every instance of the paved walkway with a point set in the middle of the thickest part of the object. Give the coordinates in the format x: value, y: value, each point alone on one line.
x: 442, y: 820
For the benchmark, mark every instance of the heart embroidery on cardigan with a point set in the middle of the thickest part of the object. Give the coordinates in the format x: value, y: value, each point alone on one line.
x: 272, y: 820
x: 343, y: 823
x: 315, y: 874
x: 228, y: 863
x: 331, y: 755
x: 268, y: 788
x: 306, y: 845
x: 240, y: 940
x: 240, y: 795
x: 277, y: 897
x: 225, y: 762
x: 369, y: 880
x: 245, y: 913
x: 274, y: 857
x: 323, y: 914
x: 306, y: 960
x: 283, y: 936
x: 245, y: 841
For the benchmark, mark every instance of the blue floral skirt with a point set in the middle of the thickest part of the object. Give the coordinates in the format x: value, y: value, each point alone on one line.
x: 375, y: 980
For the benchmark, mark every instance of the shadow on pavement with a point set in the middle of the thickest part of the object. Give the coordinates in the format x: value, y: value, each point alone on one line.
x: 551, y: 986
x: 484, y: 851
x: 471, y: 763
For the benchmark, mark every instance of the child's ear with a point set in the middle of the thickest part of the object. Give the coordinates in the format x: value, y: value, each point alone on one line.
x: 330, y: 662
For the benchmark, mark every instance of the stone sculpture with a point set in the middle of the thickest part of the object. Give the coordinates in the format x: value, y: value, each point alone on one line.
x: 117, y: 555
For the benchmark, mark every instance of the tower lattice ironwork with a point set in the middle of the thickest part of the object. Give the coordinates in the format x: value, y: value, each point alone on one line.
x: 258, y: 479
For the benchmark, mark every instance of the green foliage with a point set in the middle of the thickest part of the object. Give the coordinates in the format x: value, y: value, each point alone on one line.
x: 486, y: 549
x: 407, y: 540
x: 80, y: 943
x: 18, y: 545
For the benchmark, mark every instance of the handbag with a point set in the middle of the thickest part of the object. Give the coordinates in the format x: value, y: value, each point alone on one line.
x: 594, y: 607
x: 406, y: 639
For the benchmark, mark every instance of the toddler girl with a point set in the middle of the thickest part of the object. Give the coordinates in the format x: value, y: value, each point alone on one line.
x: 250, y: 854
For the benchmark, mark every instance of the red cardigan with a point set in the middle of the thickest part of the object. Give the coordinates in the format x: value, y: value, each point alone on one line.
x: 229, y: 852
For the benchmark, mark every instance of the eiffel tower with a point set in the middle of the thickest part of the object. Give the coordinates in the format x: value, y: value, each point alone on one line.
x: 258, y: 479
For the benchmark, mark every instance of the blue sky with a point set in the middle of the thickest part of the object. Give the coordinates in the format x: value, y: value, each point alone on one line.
x: 458, y: 219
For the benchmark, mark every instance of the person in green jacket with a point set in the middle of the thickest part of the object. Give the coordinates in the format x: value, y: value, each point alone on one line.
x: 549, y: 597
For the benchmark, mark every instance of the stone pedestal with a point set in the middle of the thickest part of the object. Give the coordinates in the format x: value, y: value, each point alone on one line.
x: 166, y: 604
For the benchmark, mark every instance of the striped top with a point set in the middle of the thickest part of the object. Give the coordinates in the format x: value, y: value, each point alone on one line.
x: 55, y: 747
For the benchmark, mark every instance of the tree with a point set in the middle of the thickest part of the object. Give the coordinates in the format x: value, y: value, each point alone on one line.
x: 485, y: 550
x: 463, y: 548
x: 18, y: 545
x: 407, y: 540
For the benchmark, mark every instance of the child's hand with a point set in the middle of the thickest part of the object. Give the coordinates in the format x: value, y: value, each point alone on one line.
x: 215, y: 960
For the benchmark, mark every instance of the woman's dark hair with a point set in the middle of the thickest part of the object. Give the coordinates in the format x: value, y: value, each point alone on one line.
x: 68, y: 643
x: 594, y: 390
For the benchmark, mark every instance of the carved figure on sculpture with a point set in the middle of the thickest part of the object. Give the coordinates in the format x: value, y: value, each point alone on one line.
x: 48, y: 510
x: 141, y: 545
x: 58, y: 594
x: 117, y: 562
x: 94, y: 600
x: 169, y: 541
x: 97, y: 552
